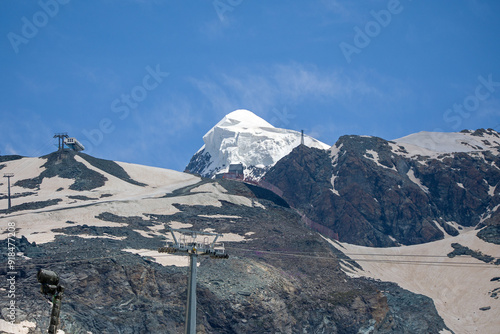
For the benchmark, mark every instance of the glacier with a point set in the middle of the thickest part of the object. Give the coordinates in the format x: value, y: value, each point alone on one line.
x: 243, y: 137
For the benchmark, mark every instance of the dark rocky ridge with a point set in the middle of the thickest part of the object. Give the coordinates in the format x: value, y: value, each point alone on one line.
x: 23, y: 194
x: 262, y: 288
x: 378, y: 204
x: 5, y: 158
x: 31, y: 205
x: 459, y: 250
x: 64, y: 165
x: 198, y: 162
x: 490, y: 234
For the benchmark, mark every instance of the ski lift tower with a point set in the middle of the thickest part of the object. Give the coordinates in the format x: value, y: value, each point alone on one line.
x: 189, y: 245
x: 60, y: 142
x: 8, y: 176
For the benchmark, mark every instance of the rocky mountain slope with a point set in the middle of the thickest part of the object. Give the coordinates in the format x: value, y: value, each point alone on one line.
x: 375, y: 192
x: 436, y: 191
x: 243, y: 137
x: 99, y: 224
x: 433, y: 198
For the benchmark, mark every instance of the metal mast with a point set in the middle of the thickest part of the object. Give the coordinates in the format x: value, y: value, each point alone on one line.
x: 8, y: 176
x: 191, y: 298
x: 60, y: 141
x: 193, y: 248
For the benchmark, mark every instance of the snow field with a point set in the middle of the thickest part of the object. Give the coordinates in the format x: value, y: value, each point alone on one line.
x: 426, y: 143
x: 21, y: 328
x: 459, y: 286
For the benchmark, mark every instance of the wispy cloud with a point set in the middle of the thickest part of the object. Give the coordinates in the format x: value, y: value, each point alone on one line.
x: 261, y: 89
x: 339, y: 100
x: 169, y: 118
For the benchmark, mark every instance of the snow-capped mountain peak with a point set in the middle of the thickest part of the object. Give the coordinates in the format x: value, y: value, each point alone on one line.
x: 243, y: 118
x: 243, y: 137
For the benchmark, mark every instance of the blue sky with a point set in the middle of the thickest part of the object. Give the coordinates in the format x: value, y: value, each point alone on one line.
x: 142, y: 81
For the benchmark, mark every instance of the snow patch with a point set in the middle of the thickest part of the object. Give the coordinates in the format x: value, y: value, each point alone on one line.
x: 229, y: 237
x: 162, y: 258
x: 414, y: 179
x: 156, y: 177
x: 492, y: 190
x: 20, y: 328
x: 333, y: 185
x: 179, y: 225
x: 25, y: 168
x: 411, y: 151
x: 209, y: 187
x: 220, y: 216
x: 334, y: 153
x: 112, y: 237
x: 446, y: 235
x: 144, y: 233
x: 392, y: 238
x: 54, y: 183
x: 373, y: 156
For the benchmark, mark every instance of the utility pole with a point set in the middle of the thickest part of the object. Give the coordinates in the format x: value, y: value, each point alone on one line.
x: 193, y: 248
x: 51, y: 286
x: 8, y: 176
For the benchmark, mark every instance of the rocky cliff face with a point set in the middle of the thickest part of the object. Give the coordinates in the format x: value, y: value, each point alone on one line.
x: 376, y: 192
